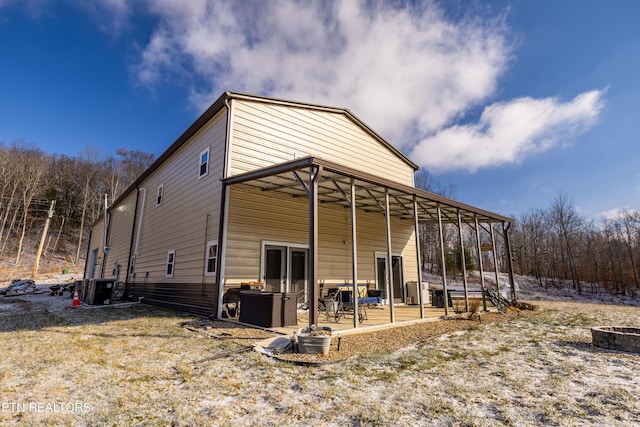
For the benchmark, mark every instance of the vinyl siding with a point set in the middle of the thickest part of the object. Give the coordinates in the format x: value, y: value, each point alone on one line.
x: 190, y: 211
x: 254, y: 218
x: 267, y: 134
x: 119, y: 239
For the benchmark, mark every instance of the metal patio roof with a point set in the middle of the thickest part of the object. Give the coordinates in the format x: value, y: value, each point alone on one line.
x: 334, y: 187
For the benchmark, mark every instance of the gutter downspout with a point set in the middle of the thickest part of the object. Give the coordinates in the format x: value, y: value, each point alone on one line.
x: 133, y: 230
x: 105, y: 237
x: 144, y: 198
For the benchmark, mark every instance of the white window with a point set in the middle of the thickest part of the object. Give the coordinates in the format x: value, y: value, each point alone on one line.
x: 159, y: 194
x: 211, y: 258
x: 171, y: 263
x: 204, y: 163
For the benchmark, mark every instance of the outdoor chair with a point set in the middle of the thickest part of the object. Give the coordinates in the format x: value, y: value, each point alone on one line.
x: 345, y: 306
x: 231, y: 302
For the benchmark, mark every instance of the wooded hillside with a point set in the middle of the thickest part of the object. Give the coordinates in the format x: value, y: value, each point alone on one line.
x: 30, y: 180
x: 556, y: 245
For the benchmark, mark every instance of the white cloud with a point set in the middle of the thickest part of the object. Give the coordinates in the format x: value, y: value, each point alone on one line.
x: 406, y: 69
x: 611, y: 214
x: 507, y: 132
x: 618, y: 214
x: 402, y: 69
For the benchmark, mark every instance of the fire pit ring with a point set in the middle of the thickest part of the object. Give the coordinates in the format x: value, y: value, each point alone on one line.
x: 621, y: 338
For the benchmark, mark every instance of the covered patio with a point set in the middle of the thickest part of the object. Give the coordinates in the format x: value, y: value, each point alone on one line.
x: 326, y: 183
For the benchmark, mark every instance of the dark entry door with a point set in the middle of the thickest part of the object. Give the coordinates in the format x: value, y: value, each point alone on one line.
x: 275, y: 268
x: 398, y: 279
x: 298, y: 276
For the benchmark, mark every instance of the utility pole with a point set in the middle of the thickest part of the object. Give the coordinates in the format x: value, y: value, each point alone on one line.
x: 42, y: 239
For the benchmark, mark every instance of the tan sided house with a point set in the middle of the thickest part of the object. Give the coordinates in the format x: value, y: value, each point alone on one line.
x: 279, y: 196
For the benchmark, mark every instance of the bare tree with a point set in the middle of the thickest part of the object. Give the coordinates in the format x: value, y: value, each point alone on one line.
x: 429, y: 239
x: 87, y: 176
x: 32, y: 165
x: 567, y: 223
x: 9, y: 185
x: 630, y: 233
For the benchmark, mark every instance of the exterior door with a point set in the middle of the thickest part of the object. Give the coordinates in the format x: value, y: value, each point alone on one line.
x: 298, y: 272
x: 398, y: 277
x: 275, y: 276
x: 285, y: 269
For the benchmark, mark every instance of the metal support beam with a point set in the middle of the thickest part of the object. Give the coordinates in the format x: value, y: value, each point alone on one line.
x: 495, y: 258
x: 406, y: 207
x: 389, y: 256
x: 335, y: 184
x: 373, y: 196
x: 484, y: 298
x: 463, y: 263
x: 444, y: 261
x: 354, y: 255
x: 418, y: 255
x: 313, y: 288
x: 301, y: 182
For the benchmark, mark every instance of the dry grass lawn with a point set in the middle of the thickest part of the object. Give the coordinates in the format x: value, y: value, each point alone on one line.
x: 141, y: 366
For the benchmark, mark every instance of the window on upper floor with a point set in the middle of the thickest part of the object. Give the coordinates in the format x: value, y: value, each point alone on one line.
x: 159, y: 194
x: 204, y: 163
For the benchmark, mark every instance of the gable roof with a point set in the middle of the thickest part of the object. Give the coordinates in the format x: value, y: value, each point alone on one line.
x: 344, y: 111
x: 222, y: 102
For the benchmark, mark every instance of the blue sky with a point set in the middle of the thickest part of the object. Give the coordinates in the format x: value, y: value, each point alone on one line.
x: 512, y: 102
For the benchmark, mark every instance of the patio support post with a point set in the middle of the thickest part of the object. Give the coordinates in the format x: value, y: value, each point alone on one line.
x: 354, y: 255
x: 495, y: 257
x: 484, y: 298
x: 314, y: 176
x: 463, y: 263
x: 512, y: 283
x: 389, y: 257
x: 444, y: 261
x: 418, y: 255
